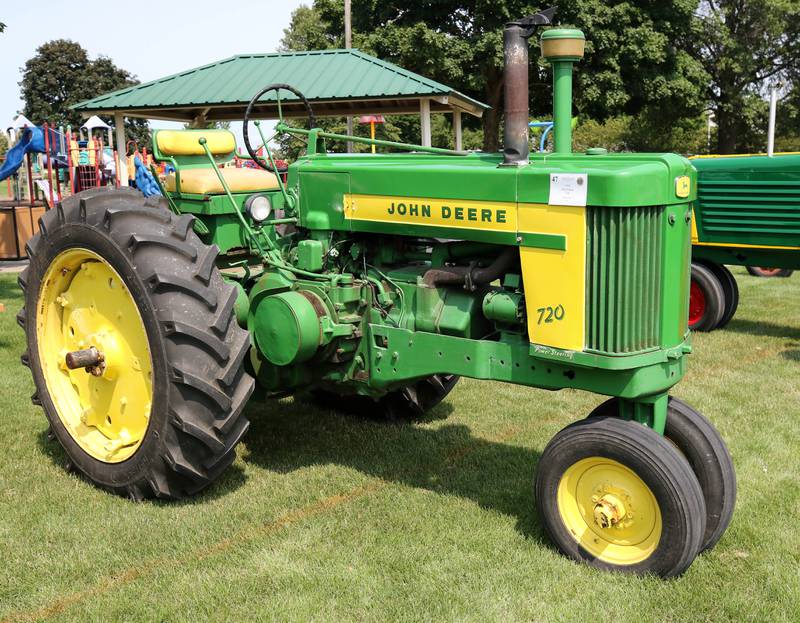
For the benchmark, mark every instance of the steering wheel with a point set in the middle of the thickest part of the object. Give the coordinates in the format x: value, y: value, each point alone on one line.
x: 247, y: 113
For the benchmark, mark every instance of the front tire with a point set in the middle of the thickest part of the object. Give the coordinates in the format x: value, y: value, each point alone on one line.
x: 730, y: 292
x: 706, y: 299
x: 616, y: 495
x: 702, y: 445
x: 112, y: 271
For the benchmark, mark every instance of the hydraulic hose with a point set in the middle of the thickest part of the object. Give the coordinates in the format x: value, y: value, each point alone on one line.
x: 471, y: 276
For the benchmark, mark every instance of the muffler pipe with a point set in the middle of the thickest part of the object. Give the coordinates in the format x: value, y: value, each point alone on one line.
x: 515, y: 94
x: 515, y: 85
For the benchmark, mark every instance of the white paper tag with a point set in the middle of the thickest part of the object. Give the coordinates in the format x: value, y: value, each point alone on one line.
x: 568, y: 189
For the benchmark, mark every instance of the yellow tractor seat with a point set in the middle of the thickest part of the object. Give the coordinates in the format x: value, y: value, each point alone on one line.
x: 204, y: 181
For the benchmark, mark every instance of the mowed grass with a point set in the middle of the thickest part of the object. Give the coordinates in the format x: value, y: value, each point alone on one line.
x: 330, y: 518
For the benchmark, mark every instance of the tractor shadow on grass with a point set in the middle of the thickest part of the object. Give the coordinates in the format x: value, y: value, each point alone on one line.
x: 763, y: 328
x: 288, y: 435
x: 231, y: 479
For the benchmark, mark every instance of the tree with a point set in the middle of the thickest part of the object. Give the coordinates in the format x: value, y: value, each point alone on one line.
x: 62, y: 74
x: 633, y: 59
x: 743, y: 45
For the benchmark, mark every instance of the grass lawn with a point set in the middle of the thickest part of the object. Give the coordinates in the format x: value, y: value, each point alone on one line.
x: 328, y: 517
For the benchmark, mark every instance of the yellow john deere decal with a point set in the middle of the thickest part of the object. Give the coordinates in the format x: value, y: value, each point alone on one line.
x: 683, y: 186
x: 555, y: 279
x: 466, y: 214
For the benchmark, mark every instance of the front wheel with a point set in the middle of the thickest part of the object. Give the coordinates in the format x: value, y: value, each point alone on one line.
x: 133, y: 345
x: 730, y: 292
x: 618, y: 496
x: 702, y: 445
x: 706, y: 299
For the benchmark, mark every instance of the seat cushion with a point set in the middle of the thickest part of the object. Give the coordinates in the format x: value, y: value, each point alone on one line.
x: 185, y: 142
x: 205, y: 181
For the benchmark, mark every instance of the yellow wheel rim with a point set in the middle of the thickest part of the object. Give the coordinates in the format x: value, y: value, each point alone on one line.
x: 83, y: 303
x: 609, y: 511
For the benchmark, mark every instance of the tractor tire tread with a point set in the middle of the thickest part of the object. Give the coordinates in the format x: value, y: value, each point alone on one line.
x: 671, y: 476
x: 200, y: 341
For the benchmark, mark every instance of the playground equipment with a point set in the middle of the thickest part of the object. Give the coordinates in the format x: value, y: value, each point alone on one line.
x: 747, y: 213
x: 31, y: 141
x: 385, y: 278
x: 18, y: 215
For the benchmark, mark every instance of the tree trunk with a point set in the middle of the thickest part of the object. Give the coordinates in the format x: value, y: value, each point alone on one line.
x: 491, y: 117
x: 726, y: 130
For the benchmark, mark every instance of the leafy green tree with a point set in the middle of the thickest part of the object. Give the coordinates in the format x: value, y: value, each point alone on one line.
x: 3, y: 143
x: 307, y: 31
x: 743, y: 45
x: 62, y: 74
x: 634, y: 53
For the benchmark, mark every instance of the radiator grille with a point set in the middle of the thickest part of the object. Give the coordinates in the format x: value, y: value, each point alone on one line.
x: 623, y: 279
x: 757, y: 211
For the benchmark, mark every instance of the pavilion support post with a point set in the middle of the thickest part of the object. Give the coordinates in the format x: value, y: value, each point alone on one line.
x: 348, y: 43
x: 425, y: 121
x: 122, y: 160
x: 457, y: 129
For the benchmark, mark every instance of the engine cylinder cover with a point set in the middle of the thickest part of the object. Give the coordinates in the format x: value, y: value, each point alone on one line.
x: 287, y: 328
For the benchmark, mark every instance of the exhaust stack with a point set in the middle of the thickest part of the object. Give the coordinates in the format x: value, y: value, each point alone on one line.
x: 515, y: 94
x: 562, y: 48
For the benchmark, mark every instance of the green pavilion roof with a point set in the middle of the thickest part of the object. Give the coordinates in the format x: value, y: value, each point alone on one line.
x: 337, y: 82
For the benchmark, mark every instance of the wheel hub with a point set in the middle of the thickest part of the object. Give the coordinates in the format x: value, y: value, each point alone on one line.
x: 90, y: 359
x: 609, y: 510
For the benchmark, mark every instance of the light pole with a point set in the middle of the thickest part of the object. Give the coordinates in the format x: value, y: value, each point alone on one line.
x: 709, y: 124
x: 348, y: 43
x: 773, y: 106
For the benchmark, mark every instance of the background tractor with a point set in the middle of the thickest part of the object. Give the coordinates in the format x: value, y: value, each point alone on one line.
x: 747, y: 213
x: 376, y: 281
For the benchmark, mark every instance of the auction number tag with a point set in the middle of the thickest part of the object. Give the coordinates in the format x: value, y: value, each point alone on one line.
x: 568, y: 189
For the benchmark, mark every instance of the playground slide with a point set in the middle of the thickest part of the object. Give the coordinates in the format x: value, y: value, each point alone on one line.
x: 32, y: 141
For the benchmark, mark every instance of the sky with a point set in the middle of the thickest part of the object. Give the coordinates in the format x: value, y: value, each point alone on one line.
x: 150, y: 43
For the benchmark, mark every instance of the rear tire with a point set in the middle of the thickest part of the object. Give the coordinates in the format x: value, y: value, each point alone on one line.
x: 616, y: 495
x: 199, y: 385
x: 706, y: 299
x: 406, y: 404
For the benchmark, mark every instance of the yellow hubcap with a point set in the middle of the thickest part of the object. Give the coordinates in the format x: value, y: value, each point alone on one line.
x: 610, y: 511
x: 84, y: 304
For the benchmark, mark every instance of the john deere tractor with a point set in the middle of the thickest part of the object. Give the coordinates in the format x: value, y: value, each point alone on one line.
x: 380, y: 280
x: 747, y: 213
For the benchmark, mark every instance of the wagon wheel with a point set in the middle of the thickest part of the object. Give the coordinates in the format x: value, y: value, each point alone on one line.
x: 706, y: 299
x: 617, y: 495
x: 132, y: 342
x: 704, y: 448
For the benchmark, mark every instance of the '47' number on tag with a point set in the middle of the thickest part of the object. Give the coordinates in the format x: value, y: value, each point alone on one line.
x: 548, y: 315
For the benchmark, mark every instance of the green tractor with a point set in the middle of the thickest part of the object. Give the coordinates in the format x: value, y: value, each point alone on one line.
x: 380, y: 280
x: 747, y: 213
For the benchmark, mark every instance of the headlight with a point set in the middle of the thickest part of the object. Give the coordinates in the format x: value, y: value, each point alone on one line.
x: 259, y: 207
